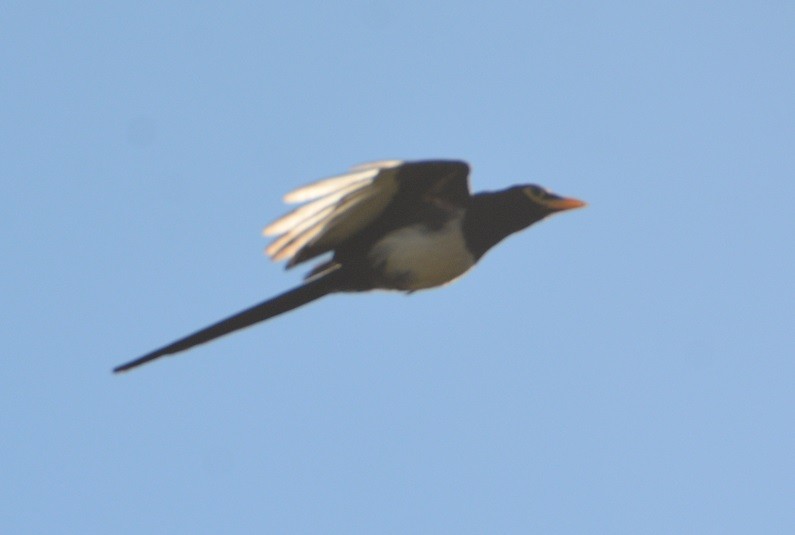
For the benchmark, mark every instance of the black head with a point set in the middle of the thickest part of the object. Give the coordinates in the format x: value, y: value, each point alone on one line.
x: 537, y: 202
x: 493, y: 216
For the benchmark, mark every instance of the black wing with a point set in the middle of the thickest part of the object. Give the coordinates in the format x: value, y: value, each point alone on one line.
x: 338, y: 208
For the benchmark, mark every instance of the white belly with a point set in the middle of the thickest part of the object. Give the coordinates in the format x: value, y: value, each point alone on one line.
x: 416, y: 257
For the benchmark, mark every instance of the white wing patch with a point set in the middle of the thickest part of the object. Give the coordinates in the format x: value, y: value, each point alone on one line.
x: 340, y: 206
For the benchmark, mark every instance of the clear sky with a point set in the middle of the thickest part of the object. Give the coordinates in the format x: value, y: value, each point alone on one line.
x: 627, y: 368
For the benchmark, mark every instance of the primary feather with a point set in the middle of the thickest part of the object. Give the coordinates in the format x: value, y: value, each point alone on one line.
x: 338, y: 207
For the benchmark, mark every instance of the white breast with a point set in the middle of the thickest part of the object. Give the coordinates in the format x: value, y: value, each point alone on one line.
x: 418, y: 257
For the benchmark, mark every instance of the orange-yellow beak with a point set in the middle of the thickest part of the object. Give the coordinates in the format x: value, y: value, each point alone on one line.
x: 558, y: 204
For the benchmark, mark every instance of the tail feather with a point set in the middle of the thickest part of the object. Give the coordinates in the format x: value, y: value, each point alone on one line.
x: 301, y: 295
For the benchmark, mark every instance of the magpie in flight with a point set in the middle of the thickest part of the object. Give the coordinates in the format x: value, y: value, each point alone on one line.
x: 391, y: 225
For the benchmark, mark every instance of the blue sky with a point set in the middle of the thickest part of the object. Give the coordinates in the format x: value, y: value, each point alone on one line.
x: 626, y: 368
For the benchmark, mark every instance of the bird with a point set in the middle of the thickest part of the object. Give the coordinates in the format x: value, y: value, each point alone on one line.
x: 388, y: 225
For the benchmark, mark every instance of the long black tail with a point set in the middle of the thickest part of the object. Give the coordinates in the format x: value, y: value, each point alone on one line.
x: 301, y: 295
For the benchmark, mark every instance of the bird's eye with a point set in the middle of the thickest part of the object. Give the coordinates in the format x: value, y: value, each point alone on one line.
x: 536, y: 192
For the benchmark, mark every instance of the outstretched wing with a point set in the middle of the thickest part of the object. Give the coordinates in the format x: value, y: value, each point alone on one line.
x: 339, y: 207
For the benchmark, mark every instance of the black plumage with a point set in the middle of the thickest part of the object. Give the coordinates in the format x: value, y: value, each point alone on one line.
x: 391, y: 225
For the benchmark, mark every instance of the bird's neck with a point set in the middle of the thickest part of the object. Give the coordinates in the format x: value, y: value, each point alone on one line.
x: 492, y: 217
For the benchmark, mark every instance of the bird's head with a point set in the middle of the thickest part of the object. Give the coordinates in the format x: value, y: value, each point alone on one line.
x: 539, y: 202
x: 495, y: 215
